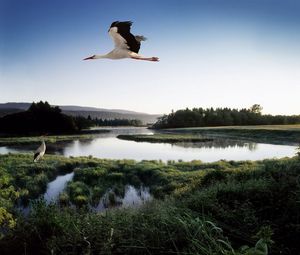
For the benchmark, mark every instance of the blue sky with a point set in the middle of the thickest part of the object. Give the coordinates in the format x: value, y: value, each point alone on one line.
x: 213, y: 53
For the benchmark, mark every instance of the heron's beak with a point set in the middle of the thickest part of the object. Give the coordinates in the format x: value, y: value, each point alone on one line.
x: 92, y: 57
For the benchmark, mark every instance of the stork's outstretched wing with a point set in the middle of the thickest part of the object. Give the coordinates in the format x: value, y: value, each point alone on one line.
x: 120, y: 33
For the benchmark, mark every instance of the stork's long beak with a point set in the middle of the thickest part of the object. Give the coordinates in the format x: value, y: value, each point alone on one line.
x: 92, y: 57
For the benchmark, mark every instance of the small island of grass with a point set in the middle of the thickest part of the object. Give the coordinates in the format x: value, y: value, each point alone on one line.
x: 165, y: 138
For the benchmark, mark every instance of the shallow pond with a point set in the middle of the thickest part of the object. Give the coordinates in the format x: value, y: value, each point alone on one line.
x: 109, y: 146
x: 132, y: 196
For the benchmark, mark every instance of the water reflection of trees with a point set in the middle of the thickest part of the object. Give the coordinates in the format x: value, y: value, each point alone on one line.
x: 131, y: 196
x: 51, y: 148
x: 220, y: 144
x: 85, y: 142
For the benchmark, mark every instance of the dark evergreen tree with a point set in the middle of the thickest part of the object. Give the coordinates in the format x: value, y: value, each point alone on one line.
x: 39, y: 118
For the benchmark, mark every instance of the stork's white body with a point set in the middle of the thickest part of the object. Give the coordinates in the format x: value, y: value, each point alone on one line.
x: 39, y: 153
x: 115, y: 54
x: 126, y: 44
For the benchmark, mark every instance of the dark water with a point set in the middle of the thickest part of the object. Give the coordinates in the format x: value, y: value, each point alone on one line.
x: 108, y: 146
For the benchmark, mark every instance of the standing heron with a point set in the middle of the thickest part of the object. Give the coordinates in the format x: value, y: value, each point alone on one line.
x: 39, y: 153
x: 126, y: 44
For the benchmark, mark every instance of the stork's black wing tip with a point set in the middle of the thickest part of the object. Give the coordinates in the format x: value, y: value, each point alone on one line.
x: 121, y: 23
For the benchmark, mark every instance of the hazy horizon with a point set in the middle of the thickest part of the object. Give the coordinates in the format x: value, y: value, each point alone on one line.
x: 213, y: 54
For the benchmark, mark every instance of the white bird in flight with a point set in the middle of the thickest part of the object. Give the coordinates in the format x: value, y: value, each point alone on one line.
x: 39, y: 153
x: 126, y: 44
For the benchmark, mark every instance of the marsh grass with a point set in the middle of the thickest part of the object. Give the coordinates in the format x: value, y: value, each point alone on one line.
x: 165, y: 138
x: 225, y: 207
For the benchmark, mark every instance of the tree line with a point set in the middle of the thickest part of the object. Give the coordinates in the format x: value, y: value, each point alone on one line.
x: 42, y: 118
x: 117, y: 122
x: 200, y: 117
x: 39, y: 118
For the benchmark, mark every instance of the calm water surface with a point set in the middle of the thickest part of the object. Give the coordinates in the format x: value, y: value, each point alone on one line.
x: 108, y: 146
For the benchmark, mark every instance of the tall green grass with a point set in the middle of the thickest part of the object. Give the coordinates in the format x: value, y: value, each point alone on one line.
x: 156, y: 228
x: 225, y: 207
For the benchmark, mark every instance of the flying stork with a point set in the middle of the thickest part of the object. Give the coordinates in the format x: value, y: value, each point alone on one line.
x: 39, y: 153
x: 126, y: 44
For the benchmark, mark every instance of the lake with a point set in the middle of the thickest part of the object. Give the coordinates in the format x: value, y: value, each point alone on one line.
x: 107, y: 145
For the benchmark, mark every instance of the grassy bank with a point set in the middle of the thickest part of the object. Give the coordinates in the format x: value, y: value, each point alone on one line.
x: 51, y: 139
x: 285, y: 134
x: 165, y: 138
x: 200, y: 208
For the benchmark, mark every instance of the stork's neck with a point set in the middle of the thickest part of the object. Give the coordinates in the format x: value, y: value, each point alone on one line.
x: 100, y: 56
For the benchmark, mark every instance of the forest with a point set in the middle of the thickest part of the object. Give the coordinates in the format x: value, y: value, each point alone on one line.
x: 117, y: 122
x: 210, y: 117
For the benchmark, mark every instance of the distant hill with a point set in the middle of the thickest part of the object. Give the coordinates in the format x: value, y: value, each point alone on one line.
x: 6, y: 111
x: 74, y: 110
x: 20, y: 106
x: 94, y: 109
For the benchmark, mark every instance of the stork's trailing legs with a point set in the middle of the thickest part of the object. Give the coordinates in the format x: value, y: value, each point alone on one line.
x: 155, y: 59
